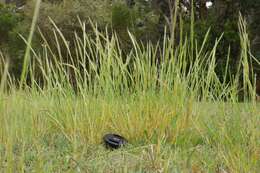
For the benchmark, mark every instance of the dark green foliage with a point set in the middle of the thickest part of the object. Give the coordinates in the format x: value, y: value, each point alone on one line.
x: 10, y: 41
x: 218, y: 26
x: 8, y: 21
x: 139, y: 19
x: 122, y: 18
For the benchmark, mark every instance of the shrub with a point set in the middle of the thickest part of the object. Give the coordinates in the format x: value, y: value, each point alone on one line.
x: 10, y: 43
x: 140, y: 19
x: 8, y: 21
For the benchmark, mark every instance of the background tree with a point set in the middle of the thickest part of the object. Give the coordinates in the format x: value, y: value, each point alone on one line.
x: 221, y: 17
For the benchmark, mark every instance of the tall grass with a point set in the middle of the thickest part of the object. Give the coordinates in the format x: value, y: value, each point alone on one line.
x: 167, y: 101
x: 98, y: 66
x: 27, y: 52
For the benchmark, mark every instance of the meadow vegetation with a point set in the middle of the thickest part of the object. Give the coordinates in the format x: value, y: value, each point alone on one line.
x: 168, y: 101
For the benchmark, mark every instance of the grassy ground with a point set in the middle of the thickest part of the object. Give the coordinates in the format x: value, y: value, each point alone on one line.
x: 46, y: 133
